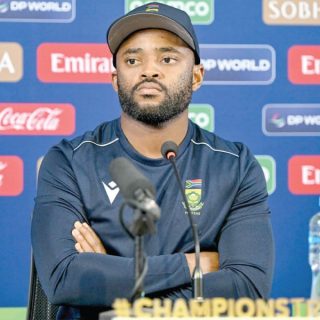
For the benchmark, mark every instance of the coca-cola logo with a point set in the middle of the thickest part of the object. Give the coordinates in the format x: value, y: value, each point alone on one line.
x: 11, y: 175
x: 36, y: 119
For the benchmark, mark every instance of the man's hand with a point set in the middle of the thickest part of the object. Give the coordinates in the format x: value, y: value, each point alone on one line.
x: 86, y: 239
x: 209, y: 261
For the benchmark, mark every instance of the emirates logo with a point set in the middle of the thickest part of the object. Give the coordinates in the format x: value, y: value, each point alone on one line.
x: 11, y: 176
x: 74, y: 63
x: 3, y: 165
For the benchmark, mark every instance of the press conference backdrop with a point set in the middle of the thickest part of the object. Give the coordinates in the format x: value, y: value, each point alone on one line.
x: 261, y: 87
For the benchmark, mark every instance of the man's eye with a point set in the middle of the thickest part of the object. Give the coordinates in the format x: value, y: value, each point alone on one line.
x: 168, y: 60
x: 131, y: 61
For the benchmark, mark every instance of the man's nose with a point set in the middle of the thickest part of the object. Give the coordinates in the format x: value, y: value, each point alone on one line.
x: 150, y: 70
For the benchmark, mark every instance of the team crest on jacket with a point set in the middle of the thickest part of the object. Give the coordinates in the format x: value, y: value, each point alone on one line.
x: 193, y: 193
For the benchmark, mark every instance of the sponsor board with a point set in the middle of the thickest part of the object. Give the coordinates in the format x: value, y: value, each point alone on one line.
x: 36, y: 119
x: 304, y: 64
x: 216, y: 308
x: 202, y: 115
x: 304, y: 174
x: 11, y: 175
x: 74, y: 62
x: 13, y: 313
x: 268, y: 165
x: 291, y: 12
x: 11, y: 62
x: 291, y: 119
x: 233, y: 64
x: 37, y: 11
x: 200, y: 11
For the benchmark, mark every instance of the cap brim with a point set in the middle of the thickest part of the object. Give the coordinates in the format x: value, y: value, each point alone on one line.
x: 127, y: 25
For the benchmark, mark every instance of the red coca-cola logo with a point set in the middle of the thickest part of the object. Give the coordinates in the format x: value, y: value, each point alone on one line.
x: 36, y: 119
x: 11, y: 175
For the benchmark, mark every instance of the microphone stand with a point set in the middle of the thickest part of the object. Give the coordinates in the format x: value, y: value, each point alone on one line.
x: 197, y: 276
x: 143, y: 224
x: 140, y: 262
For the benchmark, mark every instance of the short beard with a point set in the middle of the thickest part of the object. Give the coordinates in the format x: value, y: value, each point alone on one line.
x: 175, y: 102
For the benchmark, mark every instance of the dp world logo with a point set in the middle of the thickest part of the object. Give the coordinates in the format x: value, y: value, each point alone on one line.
x: 200, y: 11
x: 202, y: 115
x: 234, y: 64
x: 278, y: 120
x: 268, y: 166
x: 4, y: 6
x: 291, y: 119
x: 37, y: 10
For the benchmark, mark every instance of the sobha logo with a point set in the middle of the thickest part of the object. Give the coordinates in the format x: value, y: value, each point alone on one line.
x: 11, y: 62
x: 202, y: 115
x: 291, y: 12
x: 37, y: 10
x: 200, y: 11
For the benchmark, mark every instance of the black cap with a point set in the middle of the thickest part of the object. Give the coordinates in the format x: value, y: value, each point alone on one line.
x: 153, y: 16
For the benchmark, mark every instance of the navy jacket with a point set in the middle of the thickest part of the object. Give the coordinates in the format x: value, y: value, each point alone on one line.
x: 226, y: 191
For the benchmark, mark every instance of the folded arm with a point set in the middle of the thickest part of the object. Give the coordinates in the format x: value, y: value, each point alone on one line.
x: 88, y: 241
x: 245, y: 247
x: 245, y: 242
x: 92, y: 279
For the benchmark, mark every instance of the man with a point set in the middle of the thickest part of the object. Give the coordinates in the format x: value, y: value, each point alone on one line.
x: 83, y: 256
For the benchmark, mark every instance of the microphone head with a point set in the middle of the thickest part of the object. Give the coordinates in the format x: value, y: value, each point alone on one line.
x: 128, y: 178
x: 169, y: 150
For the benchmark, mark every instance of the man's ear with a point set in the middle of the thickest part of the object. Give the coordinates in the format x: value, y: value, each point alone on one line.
x: 114, y: 78
x: 198, y: 73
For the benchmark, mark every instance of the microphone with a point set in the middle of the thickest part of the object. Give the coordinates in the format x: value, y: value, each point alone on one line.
x: 139, y: 193
x: 169, y: 151
x: 134, y: 186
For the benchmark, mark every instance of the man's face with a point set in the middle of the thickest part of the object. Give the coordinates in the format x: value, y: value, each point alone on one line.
x: 155, y: 76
